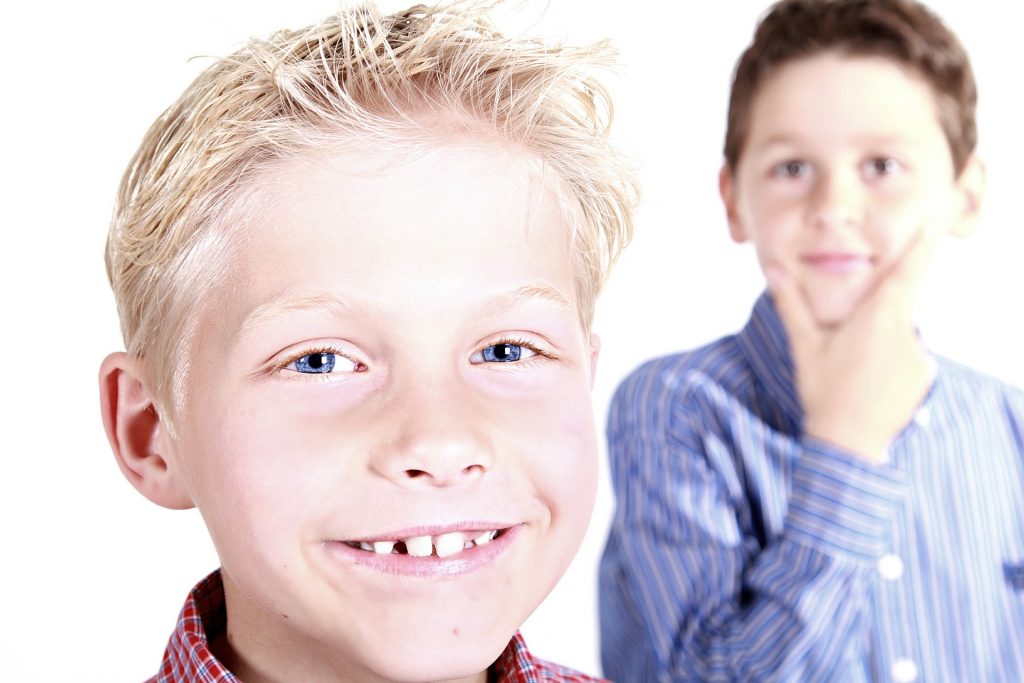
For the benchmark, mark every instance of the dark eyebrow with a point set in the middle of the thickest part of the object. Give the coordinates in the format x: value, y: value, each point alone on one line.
x: 794, y: 138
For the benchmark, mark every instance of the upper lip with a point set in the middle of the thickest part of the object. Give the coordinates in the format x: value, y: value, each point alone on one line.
x: 834, y: 254
x: 431, y: 530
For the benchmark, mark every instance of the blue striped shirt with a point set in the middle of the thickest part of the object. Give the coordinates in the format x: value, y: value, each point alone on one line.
x: 742, y: 551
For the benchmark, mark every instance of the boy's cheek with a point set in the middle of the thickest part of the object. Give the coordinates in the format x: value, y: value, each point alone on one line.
x: 566, y: 468
x: 892, y: 233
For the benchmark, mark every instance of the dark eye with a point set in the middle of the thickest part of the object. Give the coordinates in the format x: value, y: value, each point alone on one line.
x: 882, y: 166
x: 791, y: 169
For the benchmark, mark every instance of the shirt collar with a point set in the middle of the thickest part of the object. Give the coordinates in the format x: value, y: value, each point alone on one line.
x: 764, y: 343
x: 188, y: 658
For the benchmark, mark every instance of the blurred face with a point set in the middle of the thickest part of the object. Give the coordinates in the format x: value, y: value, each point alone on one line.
x: 845, y: 164
x: 389, y: 432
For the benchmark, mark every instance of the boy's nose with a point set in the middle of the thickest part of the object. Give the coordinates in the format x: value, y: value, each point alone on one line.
x: 436, y: 442
x: 836, y: 201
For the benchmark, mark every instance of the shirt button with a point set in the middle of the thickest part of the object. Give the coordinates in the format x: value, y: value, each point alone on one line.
x: 890, y: 567
x: 923, y: 418
x: 904, y: 670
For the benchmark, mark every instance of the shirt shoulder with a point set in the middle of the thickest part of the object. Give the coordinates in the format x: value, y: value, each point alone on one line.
x: 973, y: 395
x: 680, y: 383
x: 962, y: 377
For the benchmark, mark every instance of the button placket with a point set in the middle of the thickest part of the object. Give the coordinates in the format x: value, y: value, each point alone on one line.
x: 890, y: 567
x: 904, y: 670
x: 923, y: 417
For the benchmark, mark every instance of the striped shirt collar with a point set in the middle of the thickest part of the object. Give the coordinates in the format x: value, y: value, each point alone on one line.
x: 764, y: 343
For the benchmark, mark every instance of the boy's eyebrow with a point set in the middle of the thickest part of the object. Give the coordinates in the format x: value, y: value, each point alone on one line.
x: 290, y: 302
x: 526, y: 293
x: 777, y: 139
x: 297, y: 302
x: 794, y: 138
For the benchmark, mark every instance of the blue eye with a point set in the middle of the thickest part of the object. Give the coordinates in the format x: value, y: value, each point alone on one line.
x: 315, y: 363
x: 325, y: 360
x: 502, y: 353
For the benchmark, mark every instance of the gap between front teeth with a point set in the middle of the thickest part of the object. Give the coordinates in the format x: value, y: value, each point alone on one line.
x: 444, y: 545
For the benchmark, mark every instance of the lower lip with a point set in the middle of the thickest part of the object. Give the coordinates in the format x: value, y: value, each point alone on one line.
x: 837, y: 264
x: 464, y: 562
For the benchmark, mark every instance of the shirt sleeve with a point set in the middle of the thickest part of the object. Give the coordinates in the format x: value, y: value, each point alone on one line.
x: 688, y: 595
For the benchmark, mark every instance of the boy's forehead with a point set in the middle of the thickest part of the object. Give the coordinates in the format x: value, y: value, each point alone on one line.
x: 372, y: 160
x: 875, y: 97
x: 415, y: 181
x: 438, y: 215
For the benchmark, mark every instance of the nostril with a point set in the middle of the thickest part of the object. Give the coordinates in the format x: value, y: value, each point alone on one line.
x: 465, y: 471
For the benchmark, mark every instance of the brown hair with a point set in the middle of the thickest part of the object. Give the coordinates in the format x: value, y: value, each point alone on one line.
x: 357, y: 77
x: 902, y: 30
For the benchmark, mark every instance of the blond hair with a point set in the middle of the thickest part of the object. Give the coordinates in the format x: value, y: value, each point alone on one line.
x: 357, y: 74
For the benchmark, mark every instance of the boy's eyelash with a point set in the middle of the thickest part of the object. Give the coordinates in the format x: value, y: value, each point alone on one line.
x: 525, y: 343
x: 321, y: 348
x: 281, y: 366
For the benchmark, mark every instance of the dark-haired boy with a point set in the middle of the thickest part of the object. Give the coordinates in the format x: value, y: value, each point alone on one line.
x: 817, y: 498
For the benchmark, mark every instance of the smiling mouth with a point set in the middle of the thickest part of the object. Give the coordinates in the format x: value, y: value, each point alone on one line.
x: 441, y: 545
x: 837, y: 263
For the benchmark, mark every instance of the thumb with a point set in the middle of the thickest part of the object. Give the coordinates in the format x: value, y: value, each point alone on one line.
x: 893, y: 292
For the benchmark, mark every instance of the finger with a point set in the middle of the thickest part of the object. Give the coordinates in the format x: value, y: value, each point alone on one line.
x: 908, y: 270
x: 792, y: 306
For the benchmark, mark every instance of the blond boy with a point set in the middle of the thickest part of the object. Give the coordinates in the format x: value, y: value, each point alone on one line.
x: 355, y: 267
x: 817, y: 498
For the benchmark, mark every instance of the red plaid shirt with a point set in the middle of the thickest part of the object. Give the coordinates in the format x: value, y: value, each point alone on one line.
x: 188, y: 659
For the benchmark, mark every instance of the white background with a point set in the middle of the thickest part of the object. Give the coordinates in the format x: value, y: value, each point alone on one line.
x: 93, y: 574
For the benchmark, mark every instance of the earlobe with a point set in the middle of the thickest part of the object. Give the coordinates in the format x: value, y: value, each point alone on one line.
x: 970, y: 188
x: 727, y: 191
x: 133, y: 428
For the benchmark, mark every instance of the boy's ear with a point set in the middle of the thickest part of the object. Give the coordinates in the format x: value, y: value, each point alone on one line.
x: 133, y: 429
x: 727, y: 190
x: 970, y: 188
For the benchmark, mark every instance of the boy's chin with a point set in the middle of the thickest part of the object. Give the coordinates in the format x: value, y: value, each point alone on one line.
x: 446, y: 668
x: 417, y: 646
x: 467, y: 661
x: 831, y: 311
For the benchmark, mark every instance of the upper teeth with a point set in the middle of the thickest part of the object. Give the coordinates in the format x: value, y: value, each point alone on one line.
x: 443, y: 545
x: 485, y: 537
x: 418, y: 546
